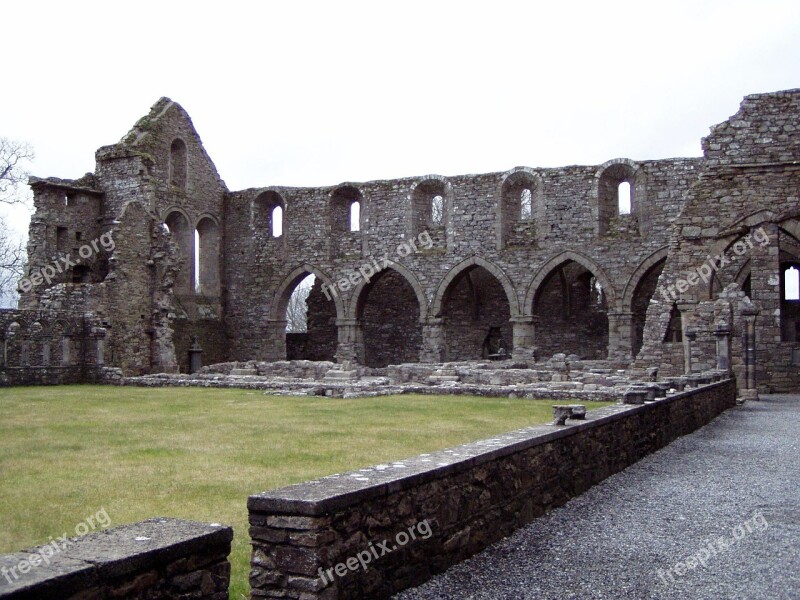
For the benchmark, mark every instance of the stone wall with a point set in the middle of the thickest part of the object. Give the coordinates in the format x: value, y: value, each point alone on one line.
x: 51, y: 347
x: 469, y: 497
x: 545, y: 259
x: 157, y: 558
x: 738, y: 230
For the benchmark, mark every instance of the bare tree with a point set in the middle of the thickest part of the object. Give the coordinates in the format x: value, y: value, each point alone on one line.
x: 14, y: 158
x: 297, y: 309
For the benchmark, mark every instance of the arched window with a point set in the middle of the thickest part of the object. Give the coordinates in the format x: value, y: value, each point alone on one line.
x: 624, y: 198
x: 277, y: 221
x: 621, y: 188
x: 206, y: 245
x: 437, y: 210
x: 177, y: 164
x: 791, y: 284
x: 345, y: 209
x: 181, y: 232
x: 429, y: 206
x: 197, y: 261
x: 355, y: 216
x: 525, y: 205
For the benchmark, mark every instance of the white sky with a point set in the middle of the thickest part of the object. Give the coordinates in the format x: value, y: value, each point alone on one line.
x: 316, y: 93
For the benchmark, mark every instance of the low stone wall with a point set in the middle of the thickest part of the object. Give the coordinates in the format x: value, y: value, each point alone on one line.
x: 410, y: 519
x: 157, y: 558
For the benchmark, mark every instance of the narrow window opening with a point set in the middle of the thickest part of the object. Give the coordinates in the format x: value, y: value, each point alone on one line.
x: 277, y: 221
x: 62, y: 239
x: 624, y: 198
x: 525, y: 205
x: 197, y: 261
x: 355, y: 216
x: 177, y: 164
x: 791, y: 284
x: 437, y: 210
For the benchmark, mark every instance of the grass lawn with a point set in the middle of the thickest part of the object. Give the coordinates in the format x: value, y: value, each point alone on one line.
x: 66, y: 452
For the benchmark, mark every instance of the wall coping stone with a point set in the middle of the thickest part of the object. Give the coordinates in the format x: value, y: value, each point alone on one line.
x: 112, y: 553
x: 327, y: 494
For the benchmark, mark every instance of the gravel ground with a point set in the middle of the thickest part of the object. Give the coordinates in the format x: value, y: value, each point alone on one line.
x: 728, y: 494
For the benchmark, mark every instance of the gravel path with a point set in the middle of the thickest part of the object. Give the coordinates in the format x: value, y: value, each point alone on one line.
x: 727, y: 495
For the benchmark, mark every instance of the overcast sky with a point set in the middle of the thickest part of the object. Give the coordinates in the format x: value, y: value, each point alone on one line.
x: 316, y: 93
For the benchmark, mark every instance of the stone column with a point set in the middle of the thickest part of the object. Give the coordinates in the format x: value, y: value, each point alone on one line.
x: 620, y: 336
x: 765, y: 285
x: 722, y: 332
x: 689, y: 336
x: 749, y: 391
x: 276, y: 336
x: 350, y: 347
x: 432, y: 340
x: 686, y: 308
x: 523, y: 344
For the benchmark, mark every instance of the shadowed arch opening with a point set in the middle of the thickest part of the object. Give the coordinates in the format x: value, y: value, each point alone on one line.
x: 476, y: 315
x: 310, y: 314
x: 643, y: 292
x: 572, y: 310
x: 389, y: 313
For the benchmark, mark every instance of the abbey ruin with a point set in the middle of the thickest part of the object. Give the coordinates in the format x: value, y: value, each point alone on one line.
x: 151, y: 262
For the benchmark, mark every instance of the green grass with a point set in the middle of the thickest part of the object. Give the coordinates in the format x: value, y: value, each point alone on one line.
x: 66, y: 452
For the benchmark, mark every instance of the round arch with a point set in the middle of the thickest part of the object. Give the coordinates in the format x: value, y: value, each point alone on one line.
x: 475, y: 261
x: 203, y: 216
x: 517, y: 176
x: 165, y: 214
x: 280, y: 299
x: 358, y: 291
x: 559, y: 260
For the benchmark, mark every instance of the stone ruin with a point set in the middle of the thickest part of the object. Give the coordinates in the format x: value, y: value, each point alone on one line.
x: 578, y: 277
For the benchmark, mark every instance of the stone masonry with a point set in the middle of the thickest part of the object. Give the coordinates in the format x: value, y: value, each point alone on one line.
x: 530, y: 262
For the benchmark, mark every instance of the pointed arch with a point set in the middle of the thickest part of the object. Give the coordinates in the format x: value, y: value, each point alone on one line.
x: 358, y: 291
x: 558, y: 261
x: 645, y: 266
x: 475, y: 261
x: 280, y: 299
